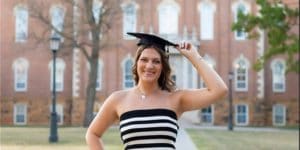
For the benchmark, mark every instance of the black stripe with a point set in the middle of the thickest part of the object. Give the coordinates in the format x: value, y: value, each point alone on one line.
x: 148, y: 129
x: 157, y: 112
x: 150, y: 137
x: 160, y: 145
x: 148, y: 112
x: 148, y: 122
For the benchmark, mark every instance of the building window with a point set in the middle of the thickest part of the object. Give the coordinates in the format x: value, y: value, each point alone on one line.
x: 241, y: 114
x: 168, y: 12
x: 207, y: 115
x: 278, y: 75
x: 59, y: 75
x: 244, y: 8
x: 279, y: 115
x: 206, y: 10
x: 241, y: 75
x: 99, y: 76
x: 20, y: 114
x: 97, y: 5
x: 60, y: 113
x: 20, y: 67
x: 128, y: 81
x: 241, y: 66
x: 96, y: 10
x: 57, y: 20
x: 129, y: 19
x: 21, y: 25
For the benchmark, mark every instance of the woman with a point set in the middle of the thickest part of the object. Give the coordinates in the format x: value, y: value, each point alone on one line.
x: 149, y: 111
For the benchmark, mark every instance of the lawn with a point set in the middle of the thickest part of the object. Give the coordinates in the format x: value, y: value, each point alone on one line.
x: 72, y: 138
x: 36, y: 138
x: 245, y: 140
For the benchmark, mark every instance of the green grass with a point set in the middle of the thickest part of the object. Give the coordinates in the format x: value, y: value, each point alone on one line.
x: 36, y: 138
x: 72, y: 138
x: 245, y: 140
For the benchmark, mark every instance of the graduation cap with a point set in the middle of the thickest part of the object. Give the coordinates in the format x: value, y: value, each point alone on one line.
x: 150, y: 39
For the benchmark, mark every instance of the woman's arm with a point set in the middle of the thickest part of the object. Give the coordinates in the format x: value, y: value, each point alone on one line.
x: 106, y: 116
x: 199, y: 98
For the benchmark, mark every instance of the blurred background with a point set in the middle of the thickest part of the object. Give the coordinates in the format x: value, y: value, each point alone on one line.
x: 61, y: 59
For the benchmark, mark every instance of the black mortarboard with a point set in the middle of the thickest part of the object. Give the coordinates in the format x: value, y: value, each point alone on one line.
x: 150, y: 39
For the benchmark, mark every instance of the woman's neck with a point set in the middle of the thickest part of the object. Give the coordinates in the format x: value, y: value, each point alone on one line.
x: 147, y: 88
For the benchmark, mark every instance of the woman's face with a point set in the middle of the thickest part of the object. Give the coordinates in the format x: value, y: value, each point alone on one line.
x: 149, y: 65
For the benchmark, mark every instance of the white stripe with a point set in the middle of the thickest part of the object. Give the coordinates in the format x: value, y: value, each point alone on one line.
x: 149, y: 133
x: 150, y: 141
x: 138, y: 126
x: 147, y: 119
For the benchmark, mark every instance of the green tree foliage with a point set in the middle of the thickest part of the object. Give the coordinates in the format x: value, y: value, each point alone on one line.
x: 276, y: 20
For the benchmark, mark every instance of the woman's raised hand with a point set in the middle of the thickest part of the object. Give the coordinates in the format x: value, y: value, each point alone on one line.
x: 187, y: 49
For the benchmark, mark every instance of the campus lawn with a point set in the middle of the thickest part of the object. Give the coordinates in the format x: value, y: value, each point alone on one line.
x: 72, y: 138
x: 245, y: 140
x: 36, y: 138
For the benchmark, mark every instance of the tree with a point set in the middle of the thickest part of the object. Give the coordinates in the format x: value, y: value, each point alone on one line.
x: 277, y: 20
x: 83, y: 25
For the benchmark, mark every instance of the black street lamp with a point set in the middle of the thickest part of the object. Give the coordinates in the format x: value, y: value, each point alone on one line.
x: 230, y: 116
x: 54, y: 46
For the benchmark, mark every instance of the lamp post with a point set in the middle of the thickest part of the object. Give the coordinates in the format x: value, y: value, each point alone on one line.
x: 230, y: 118
x: 54, y: 46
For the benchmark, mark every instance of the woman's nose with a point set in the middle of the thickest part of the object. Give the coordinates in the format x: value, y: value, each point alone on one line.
x: 149, y: 64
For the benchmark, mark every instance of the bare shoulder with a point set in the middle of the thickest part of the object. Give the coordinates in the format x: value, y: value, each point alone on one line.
x: 117, y: 96
x: 175, y: 96
x: 117, y: 100
x: 176, y: 93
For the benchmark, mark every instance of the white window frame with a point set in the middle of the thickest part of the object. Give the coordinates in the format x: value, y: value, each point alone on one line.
x: 274, y: 108
x: 129, y: 19
x: 276, y: 76
x: 20, y: 63
x: 168, y: 9
x: 207, y: 17
x: 237, y: 115
x: 235, y: 9
x: 236, y: 67
x: 60, y: 69
x: 127, y: 59
x: 59, y: 112
x: 21, y: 23
x: 23, y: 112
x: 211, y: 115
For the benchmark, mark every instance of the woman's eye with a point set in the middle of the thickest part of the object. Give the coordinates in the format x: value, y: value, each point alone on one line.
x: 156, y: 61
x: 143, y: 60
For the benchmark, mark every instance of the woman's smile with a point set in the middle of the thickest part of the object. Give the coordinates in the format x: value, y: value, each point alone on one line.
x: 149, y: 73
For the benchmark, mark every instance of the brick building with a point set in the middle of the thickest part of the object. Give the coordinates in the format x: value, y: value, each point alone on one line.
x: 265, y: 98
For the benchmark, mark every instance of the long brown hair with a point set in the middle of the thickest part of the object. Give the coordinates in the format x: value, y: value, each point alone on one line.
x: 164, y: 81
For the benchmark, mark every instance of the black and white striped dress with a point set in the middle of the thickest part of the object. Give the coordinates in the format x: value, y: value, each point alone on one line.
x: 146, y: 129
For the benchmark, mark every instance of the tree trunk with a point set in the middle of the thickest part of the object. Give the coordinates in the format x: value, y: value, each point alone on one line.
x: 91, y: 91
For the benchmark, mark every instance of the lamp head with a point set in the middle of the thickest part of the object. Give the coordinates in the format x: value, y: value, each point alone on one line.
x: 54, y: 43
